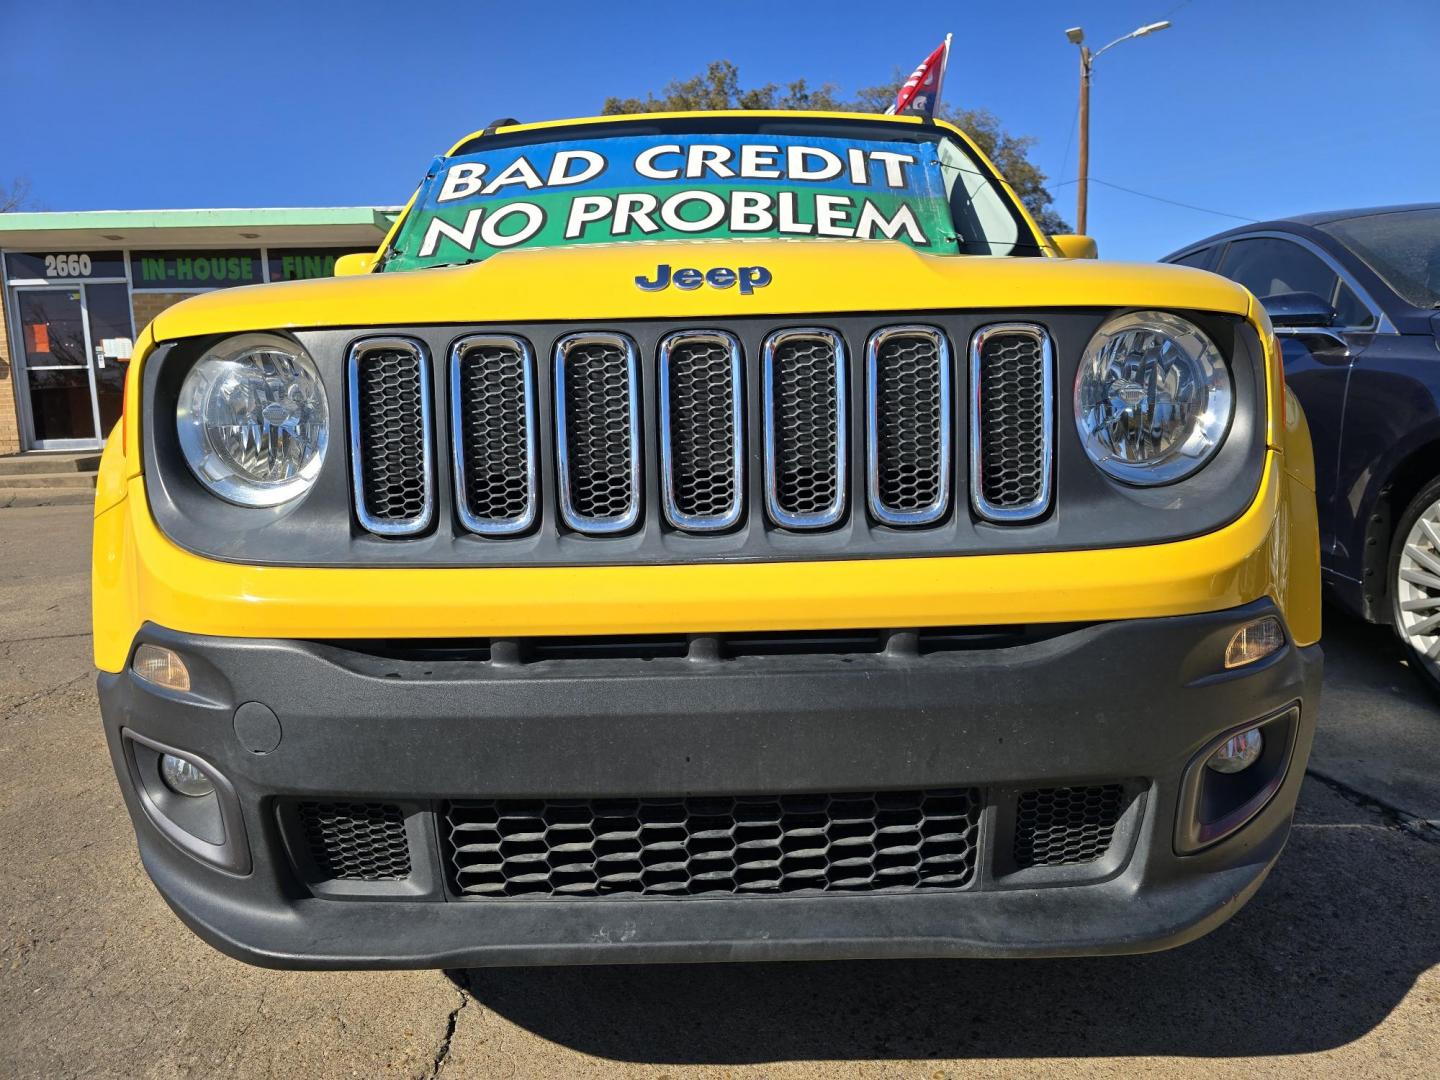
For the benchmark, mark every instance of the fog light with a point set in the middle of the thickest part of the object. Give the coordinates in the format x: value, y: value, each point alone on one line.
x: 184, y: 778
x: 161, y: 666
x: 1254, y: 641
x: 1238, y: 752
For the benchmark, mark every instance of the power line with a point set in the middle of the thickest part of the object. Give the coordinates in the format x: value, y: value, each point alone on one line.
x: 1065, y: 157
x: 1159, y: 198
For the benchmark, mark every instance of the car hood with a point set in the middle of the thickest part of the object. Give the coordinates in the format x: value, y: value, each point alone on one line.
x: 597, y: 283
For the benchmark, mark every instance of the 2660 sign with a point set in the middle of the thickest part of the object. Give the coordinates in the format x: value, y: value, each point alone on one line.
x: 64, y: 265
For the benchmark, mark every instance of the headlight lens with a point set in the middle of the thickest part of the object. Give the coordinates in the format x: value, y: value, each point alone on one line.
x: 1152, y: 398
x: 253, y: 421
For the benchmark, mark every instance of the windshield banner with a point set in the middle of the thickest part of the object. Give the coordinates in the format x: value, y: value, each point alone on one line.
x: 658, y: 187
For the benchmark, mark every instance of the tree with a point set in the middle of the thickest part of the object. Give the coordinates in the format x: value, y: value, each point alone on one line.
x: 16, y: 196
x: 718, y: 88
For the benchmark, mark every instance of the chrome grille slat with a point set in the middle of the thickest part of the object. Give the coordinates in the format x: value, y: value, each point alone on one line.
x: 492, y: 430
x: 908, y: 422
x: 391, y: 456
x: 701, y: 424
x: 1012, y: 421
x: 806, y: 427
x: 597, y: 432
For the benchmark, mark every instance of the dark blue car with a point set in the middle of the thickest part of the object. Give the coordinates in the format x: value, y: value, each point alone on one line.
x: 1355, y: 298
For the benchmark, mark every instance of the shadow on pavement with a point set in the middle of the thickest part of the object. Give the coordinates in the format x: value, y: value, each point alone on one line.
x: 1328, y: 948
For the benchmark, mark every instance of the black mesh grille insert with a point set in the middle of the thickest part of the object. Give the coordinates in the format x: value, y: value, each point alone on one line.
x: 709, y: 846
x: 702, y: 396
x: 492, y: 388
x: 1011, y: 467
x: 910, y: 427
x: 356, y: 841
x: 806, y: 420
x: 597, y: 396
x: 1061, y: 826
x: 390, y: 393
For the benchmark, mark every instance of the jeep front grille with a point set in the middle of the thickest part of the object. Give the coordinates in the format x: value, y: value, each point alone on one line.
x: 573, y: 407
x: 597, y: 421
x: 390, y: 435
x: 805, y: 428
x: 492, y: 423
x: 744, y: 845
x: 1011, y: 420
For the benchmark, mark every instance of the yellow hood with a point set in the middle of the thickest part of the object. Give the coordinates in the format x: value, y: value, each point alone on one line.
x: 596, y: 283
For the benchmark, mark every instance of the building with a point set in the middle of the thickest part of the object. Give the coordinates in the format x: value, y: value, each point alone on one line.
x: 78, y: 287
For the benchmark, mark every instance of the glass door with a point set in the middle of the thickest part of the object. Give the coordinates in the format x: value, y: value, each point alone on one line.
x: 57, y: 367
x: 107, y: 313
x: 74, y: 342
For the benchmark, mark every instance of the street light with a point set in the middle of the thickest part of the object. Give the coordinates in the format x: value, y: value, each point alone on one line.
x: 1076, y: 36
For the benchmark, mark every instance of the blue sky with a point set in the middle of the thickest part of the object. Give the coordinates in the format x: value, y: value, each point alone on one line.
x: 1255, y: 108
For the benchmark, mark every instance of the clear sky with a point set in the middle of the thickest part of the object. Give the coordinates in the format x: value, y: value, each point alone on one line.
x: 1257, y: 108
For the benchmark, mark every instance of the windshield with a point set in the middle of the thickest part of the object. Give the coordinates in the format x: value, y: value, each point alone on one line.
x: 914, y: 186
x: 1402, y: 246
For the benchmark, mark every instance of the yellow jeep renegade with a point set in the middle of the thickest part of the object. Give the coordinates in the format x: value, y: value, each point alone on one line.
x: 735, y: 536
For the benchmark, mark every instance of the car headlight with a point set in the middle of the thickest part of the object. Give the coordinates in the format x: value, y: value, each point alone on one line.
x: 1152, y: 398
x: 253, y: 421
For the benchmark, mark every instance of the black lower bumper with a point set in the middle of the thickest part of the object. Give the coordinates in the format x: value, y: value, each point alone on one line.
x: 1125, y: 703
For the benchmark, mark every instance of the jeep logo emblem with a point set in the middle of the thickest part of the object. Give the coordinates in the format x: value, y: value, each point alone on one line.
x: 749, y: 278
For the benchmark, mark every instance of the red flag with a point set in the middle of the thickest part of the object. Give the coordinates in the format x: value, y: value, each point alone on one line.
x: 921, y: 92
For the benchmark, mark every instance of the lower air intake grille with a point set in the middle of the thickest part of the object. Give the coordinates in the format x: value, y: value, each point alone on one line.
x: 597, y: 413
x: 908, y: 371
x: 390, y: 428
x: 805, y: 428
x: 356, y: 841
x: 493, y: 417
x: 1011, y: 376
x: 1063, y: 826
x: 711, y: 846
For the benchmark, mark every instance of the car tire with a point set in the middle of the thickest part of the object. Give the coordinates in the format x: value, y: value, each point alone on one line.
x: 1414, y: 580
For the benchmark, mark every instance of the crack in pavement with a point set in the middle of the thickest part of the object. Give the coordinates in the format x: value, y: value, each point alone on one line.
x: 442, y: 1053
x: 43, y: 637
x: 1400, y: 820
x: 7, y: 711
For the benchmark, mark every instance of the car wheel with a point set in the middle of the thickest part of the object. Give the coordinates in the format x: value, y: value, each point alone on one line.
x: 1415, y: 583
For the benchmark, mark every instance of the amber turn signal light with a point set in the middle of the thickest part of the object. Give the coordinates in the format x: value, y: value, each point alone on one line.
x: 161, y: 666
x: 1254, y: 641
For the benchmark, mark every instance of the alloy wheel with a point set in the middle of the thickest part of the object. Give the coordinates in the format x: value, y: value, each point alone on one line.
x: 1417, y: 587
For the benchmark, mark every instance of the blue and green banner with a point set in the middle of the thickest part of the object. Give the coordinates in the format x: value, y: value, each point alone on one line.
x: 668, y: 187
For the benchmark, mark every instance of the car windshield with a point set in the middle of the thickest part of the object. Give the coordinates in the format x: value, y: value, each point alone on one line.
x: 659, y: 181
x: 1402, y: 246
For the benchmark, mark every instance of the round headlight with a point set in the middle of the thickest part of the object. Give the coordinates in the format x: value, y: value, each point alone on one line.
x: 253, y: 421
x: 1152, y: 398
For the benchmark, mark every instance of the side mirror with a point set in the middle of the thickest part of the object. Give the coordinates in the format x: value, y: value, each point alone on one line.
x: 360, y: 263
x: 1298, y: 309
x: 1074, y: 246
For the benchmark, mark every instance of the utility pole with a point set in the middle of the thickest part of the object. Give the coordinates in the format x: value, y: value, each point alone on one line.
x: 1082, y: 186
x: 1076, y: 36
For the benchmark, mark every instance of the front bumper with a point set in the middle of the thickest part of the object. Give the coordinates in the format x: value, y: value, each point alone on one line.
x: 1130, y: 702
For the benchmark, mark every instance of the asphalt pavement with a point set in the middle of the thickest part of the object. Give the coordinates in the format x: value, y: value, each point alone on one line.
x: 1333, y: 969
